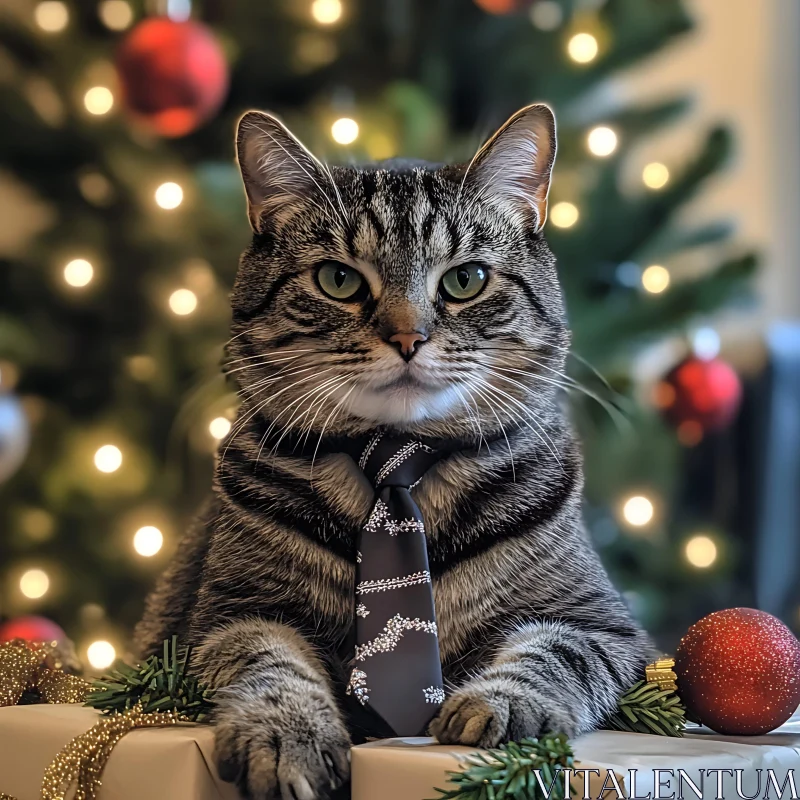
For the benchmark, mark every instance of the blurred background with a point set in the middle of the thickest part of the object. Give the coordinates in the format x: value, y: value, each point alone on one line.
x: 673, y: 213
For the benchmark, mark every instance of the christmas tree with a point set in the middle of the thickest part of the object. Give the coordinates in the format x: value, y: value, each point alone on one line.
x: 128, y: 217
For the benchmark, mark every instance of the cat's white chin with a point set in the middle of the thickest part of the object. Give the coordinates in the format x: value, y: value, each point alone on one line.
x: 403, y: 404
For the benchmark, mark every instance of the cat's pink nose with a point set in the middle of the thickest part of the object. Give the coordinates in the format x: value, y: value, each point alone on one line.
x: 407, y: 343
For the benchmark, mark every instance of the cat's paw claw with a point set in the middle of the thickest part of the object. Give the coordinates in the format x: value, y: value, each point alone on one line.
x: 292, y: 757
x: 490, y: 711
x: 473, y: 717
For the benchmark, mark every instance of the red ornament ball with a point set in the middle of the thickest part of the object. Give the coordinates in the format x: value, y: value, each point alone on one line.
x: 174, y: 75
x: 739, y: 672
x: 31, y: 629
x: 701, y: 393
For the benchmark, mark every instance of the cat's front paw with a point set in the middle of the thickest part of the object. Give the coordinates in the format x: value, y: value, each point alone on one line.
x: 295, y: 748
x: 487, y: 712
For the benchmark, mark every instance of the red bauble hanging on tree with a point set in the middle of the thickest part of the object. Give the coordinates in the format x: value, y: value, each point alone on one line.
x: 739, y: 671
x: 31, y: 629
x: 699, y: 395
x: 173, y: 75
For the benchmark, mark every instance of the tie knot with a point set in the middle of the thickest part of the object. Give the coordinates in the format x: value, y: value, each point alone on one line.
x: 396, y: 461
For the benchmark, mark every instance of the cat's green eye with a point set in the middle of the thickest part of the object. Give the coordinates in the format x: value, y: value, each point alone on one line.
x: 341, y: 282
x: 464, y: 282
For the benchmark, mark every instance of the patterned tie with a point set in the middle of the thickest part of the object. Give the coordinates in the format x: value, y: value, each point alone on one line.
x: 397, y: 672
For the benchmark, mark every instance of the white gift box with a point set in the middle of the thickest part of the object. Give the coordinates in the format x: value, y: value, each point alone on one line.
x: 610, y: 764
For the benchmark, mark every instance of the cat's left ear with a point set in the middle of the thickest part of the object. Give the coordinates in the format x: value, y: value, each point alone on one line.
x: 515, y: 165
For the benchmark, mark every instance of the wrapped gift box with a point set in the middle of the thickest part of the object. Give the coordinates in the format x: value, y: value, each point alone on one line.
x: 158, y: 764
x: 177, y: 763
x: 409, y: 769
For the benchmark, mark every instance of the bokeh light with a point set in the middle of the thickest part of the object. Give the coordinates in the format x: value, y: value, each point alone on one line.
x: 344, y: 130
x: 546, y: 15
x: 117, y: 15
x: 98, y: 100
x: 108, y: 458
x: 602, y: 141
x: 51, y: 16
x: 182, y: 302
x: 101, y: 654
x: 690, y: 433
x: 564, y: 215
x: 219, y: 427
x: 706, y: 343
x: 326, y: 12
x: 655, y: 175
x: 147, y: 541
x: 582, y: 48
x: 638, y: 511
x: 169, y: 195
x: 78, y: 272
x: 701, y: 551
x: 655, y: 279
x: 34, y: 584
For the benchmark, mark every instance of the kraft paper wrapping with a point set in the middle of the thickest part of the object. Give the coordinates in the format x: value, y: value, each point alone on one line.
x: 177, y: 763
x: 157, y: 764
x: 409, y: 769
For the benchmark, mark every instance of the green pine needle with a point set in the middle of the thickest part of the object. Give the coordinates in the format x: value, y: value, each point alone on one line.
x: 508, y: 772
x: 645, y: 708
x: 159, y: 684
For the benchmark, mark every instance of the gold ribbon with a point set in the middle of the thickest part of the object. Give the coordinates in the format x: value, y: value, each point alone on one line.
x: 81, y: 762
x: 37, y: 668
x: 663, y: 673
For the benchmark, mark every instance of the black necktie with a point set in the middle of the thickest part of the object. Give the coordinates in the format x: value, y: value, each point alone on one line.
x: 397, y: 671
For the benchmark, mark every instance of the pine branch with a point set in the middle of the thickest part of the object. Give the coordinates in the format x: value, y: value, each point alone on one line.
x: 159, y: 684
x: 645, y: 708
x: 528, y: 770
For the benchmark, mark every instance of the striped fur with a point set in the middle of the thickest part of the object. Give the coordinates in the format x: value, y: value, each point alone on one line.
x: 532, y: 635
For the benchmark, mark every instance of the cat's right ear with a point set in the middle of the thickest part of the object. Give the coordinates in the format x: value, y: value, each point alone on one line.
x: 277, y: 169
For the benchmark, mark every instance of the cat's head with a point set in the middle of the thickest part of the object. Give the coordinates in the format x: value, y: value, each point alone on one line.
x: 403, y: 294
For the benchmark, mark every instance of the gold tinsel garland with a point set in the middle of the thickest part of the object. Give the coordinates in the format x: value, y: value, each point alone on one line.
x: 35, y: 672
x: 82, y: 761
x: 37, y: 668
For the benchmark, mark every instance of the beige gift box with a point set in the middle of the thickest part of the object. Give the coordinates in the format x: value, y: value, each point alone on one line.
x: 157, y: 764
x: 409, y: 769
x: 177, y: 763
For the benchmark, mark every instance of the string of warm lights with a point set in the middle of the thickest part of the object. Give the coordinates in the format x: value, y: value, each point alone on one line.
x: 700, y: 551
x: 638, y: 512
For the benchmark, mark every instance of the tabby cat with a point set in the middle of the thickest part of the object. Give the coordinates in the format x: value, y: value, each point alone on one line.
x: 420, y: 299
